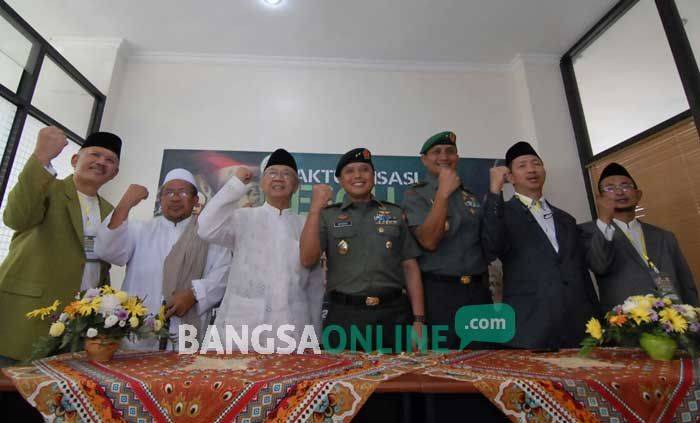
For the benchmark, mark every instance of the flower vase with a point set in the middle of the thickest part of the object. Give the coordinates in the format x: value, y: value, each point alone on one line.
x: 658, y: 347
x: 101, y: 349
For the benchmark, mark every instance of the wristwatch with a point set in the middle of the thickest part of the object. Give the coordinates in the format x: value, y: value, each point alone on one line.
x: 418, y: 318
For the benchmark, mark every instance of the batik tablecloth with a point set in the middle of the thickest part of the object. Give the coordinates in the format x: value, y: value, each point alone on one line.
x: 611, y: 385
x: 167, y: 387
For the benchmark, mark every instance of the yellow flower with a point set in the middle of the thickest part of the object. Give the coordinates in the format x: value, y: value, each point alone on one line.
x: 57, y: 329
x: 135, y: 307
x: 44, y: 311
x: 594, y: 329
x: 85, y: 306
x: 107, y: 289
x: 161, y: 313
x: 640, y: 314
x: 157, y: 325
x: 134, y: 321
x: 667, y: 301
x: 617, y: 320
x: 672, y: 317
x: 123, y: 296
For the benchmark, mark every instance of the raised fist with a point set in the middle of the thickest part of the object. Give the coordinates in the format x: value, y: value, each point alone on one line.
x: 498, y: 178
x: 321, y: 194
x: 134, y: 195
x: 606, y: 208
x: 448, y: 181
x: 49, y: 144
x: 244, y: 174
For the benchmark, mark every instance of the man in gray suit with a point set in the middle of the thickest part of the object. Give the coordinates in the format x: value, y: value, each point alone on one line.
x: 630, y: 257
x: 544, y: 272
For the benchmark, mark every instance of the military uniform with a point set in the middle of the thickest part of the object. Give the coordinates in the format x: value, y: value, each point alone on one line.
x: 456, y: 273
x: 365, y: 245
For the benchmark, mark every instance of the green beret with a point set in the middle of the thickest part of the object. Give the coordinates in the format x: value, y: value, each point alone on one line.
x: 443, y: 138
x: 356, y: 155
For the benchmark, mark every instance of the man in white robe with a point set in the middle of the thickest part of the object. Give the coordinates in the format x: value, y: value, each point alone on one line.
x: 145, y: 246
x: 268, y: 284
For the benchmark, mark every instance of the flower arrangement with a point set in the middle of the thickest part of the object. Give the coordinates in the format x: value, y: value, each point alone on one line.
x: 97, y: 313
x: 656, y: 324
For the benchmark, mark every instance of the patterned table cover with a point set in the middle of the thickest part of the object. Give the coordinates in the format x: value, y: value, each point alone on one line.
x: 611, y: 385
x: 168, y: 387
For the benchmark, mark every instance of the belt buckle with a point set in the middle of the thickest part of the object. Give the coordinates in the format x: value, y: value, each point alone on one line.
x: 371, y: 301
x: 465, y: 280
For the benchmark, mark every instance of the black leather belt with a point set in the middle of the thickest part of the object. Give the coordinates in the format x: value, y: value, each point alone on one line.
x: 463, y: 279
x: 366, y: 300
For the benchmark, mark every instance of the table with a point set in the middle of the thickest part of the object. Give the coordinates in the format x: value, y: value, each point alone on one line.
x: 614, y: 384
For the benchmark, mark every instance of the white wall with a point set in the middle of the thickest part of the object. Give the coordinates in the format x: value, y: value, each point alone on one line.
x: 303, y: 109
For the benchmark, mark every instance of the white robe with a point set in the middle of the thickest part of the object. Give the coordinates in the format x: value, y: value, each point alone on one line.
x: 267, y: 284
x: 143, y: 247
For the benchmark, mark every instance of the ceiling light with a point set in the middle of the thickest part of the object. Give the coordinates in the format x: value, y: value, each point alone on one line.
x: 272, y: 2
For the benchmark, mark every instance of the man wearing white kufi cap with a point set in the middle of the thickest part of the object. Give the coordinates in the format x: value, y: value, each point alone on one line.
x: 165, y: 258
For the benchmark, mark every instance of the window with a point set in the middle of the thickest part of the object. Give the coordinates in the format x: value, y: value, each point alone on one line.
x: 15, y: 51
x: 627, y: 79
x: 59, y: 96
x: 690, y: 14
x: 7, y: 114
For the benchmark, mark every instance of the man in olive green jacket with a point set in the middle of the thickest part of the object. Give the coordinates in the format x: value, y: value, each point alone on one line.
x: 50, y: 256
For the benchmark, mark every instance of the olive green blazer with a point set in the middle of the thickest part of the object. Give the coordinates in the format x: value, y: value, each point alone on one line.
x: 46, y: 258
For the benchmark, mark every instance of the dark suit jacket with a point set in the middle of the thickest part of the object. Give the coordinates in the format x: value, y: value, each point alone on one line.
x: 552, y: 293
x: 621, y: 271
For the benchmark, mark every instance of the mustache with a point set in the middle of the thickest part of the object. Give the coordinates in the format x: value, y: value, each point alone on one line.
x: 625, y: 209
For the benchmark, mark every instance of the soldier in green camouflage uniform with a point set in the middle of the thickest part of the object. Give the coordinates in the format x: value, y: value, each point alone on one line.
x: 446, y: 219
x: 371, y: 256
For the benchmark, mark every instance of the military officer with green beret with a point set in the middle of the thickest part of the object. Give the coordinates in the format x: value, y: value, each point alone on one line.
x: 445, y: 217
x: 371, y: 257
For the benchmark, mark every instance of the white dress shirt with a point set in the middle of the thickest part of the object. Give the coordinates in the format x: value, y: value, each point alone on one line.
x: 267, y: 283
x: 143, y: 247
x: 543, y: 215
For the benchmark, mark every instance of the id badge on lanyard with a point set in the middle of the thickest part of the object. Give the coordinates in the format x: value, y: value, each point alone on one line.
x: 664, y: 285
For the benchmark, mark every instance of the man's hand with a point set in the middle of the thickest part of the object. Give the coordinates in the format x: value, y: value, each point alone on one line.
x: 498, y: 178
x: 49, y: 144
x: 179, y: 303
x: 133, y: 195
x: 606, y: 208
x: 244, y: 174
x: 417, y: 341
x: 321, y: 194
x: 448, y: 182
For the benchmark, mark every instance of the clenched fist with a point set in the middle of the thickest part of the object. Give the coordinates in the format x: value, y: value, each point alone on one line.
x: 606, y: 208
x: 133, y: 195
x: 244, y: 174
x: 321, y: 194
x: 49, y: 144
x: 498, y: 178
x: 448, y: 182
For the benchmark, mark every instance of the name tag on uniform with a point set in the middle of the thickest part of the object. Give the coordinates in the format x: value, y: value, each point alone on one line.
x: 385, y: 219
x: 547, y: 215
x: 342, y: 224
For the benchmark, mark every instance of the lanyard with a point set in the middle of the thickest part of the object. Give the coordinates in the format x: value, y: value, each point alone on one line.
x: 643, y: 252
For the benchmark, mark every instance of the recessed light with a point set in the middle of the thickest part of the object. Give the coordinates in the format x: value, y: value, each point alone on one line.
x: 272, y: 2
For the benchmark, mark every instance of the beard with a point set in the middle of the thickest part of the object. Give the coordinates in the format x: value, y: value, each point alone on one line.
x: 625, y: 209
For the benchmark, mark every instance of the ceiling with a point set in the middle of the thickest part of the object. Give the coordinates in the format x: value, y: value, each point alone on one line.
x: 461, y: 31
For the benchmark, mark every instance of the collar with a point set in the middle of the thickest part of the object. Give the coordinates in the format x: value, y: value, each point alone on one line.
x: 272, y: 209
x: 632, y: 226
x: 347, y: 202
x: 528, y: 202
x: 180, y: 224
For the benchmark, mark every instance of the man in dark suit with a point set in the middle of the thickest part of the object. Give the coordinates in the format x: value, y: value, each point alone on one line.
x: 630, y: 257
x: 544, y: 273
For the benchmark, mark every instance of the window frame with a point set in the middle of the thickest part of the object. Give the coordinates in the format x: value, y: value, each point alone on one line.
x: 683, y: 58
x: 22, y: 98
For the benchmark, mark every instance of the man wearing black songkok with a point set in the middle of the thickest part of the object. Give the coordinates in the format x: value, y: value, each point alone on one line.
x: 630, y: 257
x: 55, y: 221
x: 545, y: 278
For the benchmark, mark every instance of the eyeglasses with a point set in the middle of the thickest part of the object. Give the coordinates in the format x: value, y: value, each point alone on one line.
x: 285, y: 174
x: 173, y: 194
x: 622, y: 187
